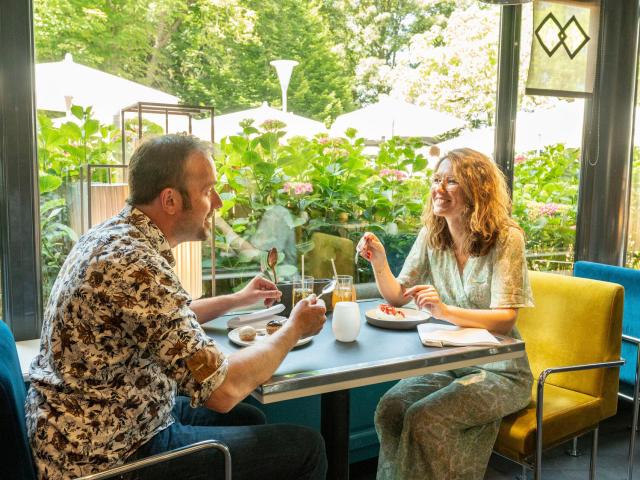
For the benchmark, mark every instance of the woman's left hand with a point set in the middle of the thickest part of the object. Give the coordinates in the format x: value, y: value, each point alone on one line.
x: 426, y: 296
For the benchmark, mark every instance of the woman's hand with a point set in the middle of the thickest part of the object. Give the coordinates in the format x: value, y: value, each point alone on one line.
x: 259, y: 288
x: 426, y: 296
x: 371, y: 248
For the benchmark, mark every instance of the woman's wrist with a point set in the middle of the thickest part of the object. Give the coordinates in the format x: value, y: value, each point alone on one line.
x: 445, y: 312
x: 380, y: 266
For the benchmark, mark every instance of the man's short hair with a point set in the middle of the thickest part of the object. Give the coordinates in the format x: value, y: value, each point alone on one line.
x: 159, y: 163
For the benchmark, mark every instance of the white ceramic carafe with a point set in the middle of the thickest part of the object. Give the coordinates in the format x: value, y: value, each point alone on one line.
x: 346, y: 321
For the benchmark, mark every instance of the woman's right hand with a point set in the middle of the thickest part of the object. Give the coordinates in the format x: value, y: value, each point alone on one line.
x: 371, y: 248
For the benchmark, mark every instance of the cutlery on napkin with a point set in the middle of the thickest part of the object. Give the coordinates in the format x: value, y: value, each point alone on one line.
x: 248, y: 318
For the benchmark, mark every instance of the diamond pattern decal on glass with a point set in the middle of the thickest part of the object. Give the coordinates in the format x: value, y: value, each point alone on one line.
x: 551, y: 35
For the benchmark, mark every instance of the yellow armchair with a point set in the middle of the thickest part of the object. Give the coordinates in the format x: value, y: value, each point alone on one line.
x: 573, y: 338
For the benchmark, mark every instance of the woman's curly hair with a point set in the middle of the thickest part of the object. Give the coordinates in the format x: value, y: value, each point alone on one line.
x: 487, y: 204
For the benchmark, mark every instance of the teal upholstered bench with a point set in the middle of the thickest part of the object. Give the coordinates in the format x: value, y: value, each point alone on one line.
x: 630, y: 280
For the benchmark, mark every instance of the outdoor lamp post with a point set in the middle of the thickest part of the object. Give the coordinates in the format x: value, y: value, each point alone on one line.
x: 284, y: 69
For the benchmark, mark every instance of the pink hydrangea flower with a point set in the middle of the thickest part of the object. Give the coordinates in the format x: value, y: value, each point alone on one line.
x: 335, y: 151
x: 297, y: 188
x: 397, y: 175
x: 549, y: 209
x: 520, y: 158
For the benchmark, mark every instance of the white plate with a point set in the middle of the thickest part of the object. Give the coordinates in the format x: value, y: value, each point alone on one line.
x: 260, y: 336
x: 412, y: 318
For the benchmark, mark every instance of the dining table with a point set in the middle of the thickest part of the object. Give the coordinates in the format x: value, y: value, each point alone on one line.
x: 330, y: 368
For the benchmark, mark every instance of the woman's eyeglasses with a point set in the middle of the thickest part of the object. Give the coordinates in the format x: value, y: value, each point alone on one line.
x: 447, y: 183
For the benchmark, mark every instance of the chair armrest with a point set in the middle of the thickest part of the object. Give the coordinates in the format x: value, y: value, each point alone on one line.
x: 163, y: 457
x: 540, y: 396
x: 630, y: 339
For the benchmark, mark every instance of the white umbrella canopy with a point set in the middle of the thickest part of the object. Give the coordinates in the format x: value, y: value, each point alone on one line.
x: 85, y: 86
x: 534, y: 130
x: 562, y: 123
x: 229, y: 124
x: 480, y: 139
x: 390, y: 117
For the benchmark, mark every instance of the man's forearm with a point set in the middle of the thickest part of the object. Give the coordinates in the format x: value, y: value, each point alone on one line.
x: 251, y: 367
x: 209, y: 308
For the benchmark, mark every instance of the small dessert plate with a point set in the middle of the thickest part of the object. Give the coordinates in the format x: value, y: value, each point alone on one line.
x: 411, y: 318
x: 261, y: 335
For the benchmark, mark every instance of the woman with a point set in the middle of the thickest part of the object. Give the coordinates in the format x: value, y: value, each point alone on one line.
x: 468, y: 267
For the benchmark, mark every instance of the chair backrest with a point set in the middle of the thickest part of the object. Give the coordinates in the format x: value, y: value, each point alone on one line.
x: 630, y: 280
x: 575, y: 321
x: 326, y: 247
x: 15, y: 452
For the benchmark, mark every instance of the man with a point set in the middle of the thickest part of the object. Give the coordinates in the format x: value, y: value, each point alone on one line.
x: 121, y: 337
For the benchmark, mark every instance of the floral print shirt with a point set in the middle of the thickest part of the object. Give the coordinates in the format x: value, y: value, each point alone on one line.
x: 118, y: 343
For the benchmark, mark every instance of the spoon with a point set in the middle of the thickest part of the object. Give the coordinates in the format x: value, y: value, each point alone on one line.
x: 328, y: 288
x: 272, y: 260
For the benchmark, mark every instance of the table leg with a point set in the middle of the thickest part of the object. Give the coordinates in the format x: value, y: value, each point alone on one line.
x: 334, y: 425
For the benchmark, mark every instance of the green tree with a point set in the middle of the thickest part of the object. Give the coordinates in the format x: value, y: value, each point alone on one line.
x: 373, y: 35
x: 232, y: 70
x: 203, y: 51
x: 112, y: 35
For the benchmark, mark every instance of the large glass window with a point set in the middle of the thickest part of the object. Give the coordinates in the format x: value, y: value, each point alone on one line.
x: 309, y: 181
x: 633, y: 241
x: 546, y: 170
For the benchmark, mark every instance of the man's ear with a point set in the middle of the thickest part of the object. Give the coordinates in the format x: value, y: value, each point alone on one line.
x: 171, y: 201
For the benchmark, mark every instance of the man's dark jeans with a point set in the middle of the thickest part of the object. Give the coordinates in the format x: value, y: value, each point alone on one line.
x: 258, y: 451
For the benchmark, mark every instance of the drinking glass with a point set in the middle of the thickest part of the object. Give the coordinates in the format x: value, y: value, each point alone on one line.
x: 345, y: 322
x: 302, y: 288
x: 344, y: 291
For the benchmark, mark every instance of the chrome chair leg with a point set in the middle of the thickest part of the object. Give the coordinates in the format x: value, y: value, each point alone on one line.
x: 525, y: 473
x: 594, y: 455
x: 573, y: 451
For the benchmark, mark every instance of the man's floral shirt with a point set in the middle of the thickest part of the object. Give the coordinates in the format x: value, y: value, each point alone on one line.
x: 119, y: 341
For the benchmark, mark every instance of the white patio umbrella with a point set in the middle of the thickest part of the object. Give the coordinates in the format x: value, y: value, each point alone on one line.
x: 390, y: 117
x: 480, y: 139
x: 59, y: 84
x: 534, y: 130
x: 562, y: 123
x: 229, y: 124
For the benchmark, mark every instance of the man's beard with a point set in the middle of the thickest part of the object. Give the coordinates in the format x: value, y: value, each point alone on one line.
x: 194, y: 232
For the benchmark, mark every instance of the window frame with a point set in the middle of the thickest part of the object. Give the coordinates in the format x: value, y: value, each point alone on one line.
x: 19, y: 195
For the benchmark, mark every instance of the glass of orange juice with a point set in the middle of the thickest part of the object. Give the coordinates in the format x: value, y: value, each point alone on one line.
x: 345, y: 291
x: 302, y: 288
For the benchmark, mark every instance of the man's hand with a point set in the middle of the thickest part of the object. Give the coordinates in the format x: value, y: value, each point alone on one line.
x: 259, y: 288
x: 308, y: 317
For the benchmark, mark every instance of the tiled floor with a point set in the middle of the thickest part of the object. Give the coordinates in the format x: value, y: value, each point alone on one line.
x: 613, y: 449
